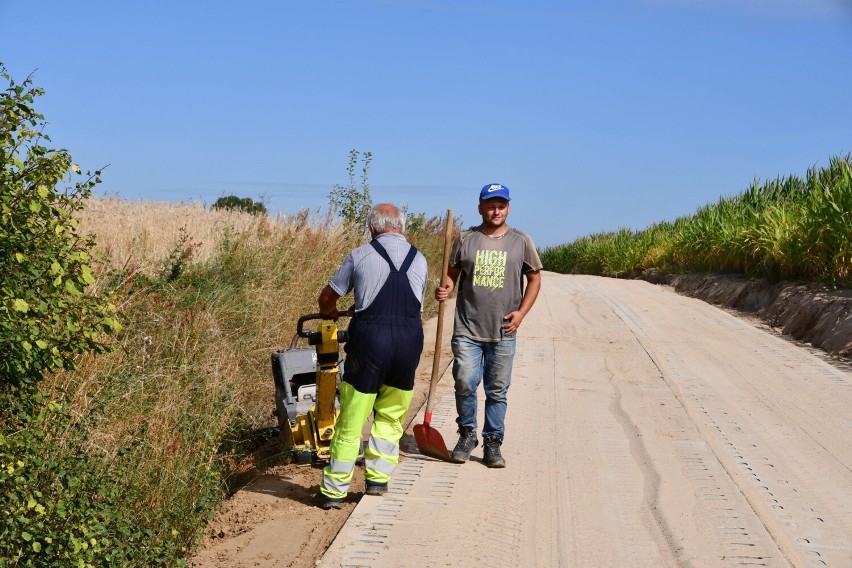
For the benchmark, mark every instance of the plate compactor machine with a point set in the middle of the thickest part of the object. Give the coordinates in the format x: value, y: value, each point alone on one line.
x: 306, y: 383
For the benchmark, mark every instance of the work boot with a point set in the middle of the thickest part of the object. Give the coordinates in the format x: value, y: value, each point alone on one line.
x: 325, y: 502
x: 467, y: 441
x: 491, y: 452
x: 377, y: 489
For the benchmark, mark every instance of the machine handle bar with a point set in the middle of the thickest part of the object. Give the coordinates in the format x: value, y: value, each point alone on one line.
x: 308, y: 317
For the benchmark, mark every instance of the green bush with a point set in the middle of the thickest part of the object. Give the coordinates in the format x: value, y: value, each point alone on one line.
x: 46, y: 318
x: 61, y: 502
x: 246, y: 204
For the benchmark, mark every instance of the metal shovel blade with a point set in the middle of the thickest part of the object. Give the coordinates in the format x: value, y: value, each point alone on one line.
x: 431, y: 443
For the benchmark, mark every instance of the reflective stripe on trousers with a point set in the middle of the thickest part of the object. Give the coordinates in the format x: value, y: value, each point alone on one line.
x: 382, y: 454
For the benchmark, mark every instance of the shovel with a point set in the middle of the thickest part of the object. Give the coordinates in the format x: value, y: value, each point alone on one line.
x: 429, y: 440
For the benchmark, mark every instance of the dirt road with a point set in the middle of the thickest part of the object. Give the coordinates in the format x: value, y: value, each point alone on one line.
x: 644, y: 429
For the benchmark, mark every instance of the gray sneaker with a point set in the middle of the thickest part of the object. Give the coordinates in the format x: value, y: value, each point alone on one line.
x: 467, y: 441
x: 491, y: 452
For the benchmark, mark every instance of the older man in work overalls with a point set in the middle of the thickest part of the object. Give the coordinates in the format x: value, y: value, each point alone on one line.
x: 385, y: 341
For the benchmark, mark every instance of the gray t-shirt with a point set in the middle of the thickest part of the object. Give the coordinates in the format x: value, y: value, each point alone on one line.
x: 366, y: 271
x: 491, y: 282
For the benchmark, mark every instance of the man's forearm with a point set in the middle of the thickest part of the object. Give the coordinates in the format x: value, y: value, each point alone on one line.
x: 328, y: 301
x: 531, y: 293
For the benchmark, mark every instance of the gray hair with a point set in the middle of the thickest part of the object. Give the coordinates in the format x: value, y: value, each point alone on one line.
x: 386, y: 216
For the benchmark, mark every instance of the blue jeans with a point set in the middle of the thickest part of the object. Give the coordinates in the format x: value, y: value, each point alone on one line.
x: 488, y: 362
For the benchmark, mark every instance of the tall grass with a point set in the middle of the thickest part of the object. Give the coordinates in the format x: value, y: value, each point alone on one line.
x: 207, y: 296
x: 140, y: 235
x: 788, y: 228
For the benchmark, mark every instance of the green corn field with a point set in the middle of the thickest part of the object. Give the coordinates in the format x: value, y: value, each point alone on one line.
x: 785, y: 229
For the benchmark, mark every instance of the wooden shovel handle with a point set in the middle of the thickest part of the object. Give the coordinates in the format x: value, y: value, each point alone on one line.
x: 436, y: 359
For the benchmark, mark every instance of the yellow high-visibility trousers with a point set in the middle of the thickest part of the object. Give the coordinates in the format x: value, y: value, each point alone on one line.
x: 381, y: 456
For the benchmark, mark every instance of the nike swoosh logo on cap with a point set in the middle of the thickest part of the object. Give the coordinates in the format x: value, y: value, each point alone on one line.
x: 494, y: 188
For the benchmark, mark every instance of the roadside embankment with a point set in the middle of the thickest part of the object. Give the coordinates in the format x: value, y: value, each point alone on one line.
x: 817, y: 314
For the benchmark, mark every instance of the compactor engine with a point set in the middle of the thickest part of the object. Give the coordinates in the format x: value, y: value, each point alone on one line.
x: 306, y: 382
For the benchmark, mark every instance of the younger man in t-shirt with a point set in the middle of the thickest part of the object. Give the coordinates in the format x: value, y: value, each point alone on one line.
x: 488, y: 263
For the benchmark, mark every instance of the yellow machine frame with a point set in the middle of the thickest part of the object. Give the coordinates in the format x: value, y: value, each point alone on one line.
x: 312, y: 432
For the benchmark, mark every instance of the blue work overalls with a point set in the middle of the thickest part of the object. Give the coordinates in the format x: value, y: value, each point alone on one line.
x: 382, y: 353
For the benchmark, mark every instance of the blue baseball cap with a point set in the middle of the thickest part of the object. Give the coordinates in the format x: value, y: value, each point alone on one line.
x: 494, y: 190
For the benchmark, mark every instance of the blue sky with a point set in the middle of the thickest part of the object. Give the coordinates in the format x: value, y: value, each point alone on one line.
x: 597, y: 115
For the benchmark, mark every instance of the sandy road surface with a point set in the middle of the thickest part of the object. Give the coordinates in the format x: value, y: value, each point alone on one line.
x: 644, y: 429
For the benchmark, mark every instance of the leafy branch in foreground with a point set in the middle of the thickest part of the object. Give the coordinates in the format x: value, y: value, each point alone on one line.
x: 58, y: 500
x: 46, y: 316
